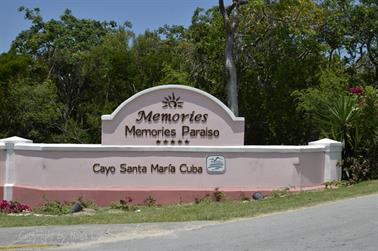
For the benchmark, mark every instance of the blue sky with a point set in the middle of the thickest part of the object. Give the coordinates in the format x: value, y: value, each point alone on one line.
x: 143, y: 14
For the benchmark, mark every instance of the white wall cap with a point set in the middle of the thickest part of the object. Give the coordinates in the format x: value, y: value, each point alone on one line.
x: 331, y: 145
x: 15, y: 139
x: 325, y: 141
x: 162, y: 87
x: 142, y: 148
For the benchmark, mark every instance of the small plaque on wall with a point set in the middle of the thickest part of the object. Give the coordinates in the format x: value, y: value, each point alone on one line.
x: 215, y: 164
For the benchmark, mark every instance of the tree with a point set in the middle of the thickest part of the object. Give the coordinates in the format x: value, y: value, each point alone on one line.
x: 13, y: 68
x: 204, y: 54
x: 363, y: 38
x: 281, y: 50
x: 230, y: 20
x: 60, y: 49
x: 278, y: 51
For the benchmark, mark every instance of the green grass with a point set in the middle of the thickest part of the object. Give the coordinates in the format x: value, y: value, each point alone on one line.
x: 205, y: 210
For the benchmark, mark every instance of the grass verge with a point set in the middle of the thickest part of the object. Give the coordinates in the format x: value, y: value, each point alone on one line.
x: 206, y: 210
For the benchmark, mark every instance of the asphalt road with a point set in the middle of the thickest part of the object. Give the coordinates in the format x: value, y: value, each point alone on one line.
x: 350, y: 224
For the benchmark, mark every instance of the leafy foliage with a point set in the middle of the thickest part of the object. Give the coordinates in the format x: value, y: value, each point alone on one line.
x: 349, y: 117
x: 121, y: 205
x: 13, y: 207
x: 54, y: 208
x: 356, y: 168
x: 296, y: 61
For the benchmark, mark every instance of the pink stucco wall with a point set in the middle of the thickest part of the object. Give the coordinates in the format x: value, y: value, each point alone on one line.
x: 2, y: 166
x: 68, y: 173
x: 219, y: 118
x: 258, y: 170
x: 2, y: 171
x: 311, y: 169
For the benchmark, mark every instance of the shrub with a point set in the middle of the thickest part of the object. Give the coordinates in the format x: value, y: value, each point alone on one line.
x: 336, y: 184
x: 122, y: 204
x: 280, y: 192
x: 54, y: 207
x: 150, y: 201
x: 356, y: 169
x: 11, y: 207
x: 88, y: 203
x: 204, y: 199
x: 218, y: 195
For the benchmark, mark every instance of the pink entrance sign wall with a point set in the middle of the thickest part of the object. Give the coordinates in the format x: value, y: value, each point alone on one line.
x: 71, y: 171
x: 173, y: 143
x: 196, y: 117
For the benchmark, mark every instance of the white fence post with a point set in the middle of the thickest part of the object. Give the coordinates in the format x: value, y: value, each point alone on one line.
x: 10, y: 165
x: 333, y: 149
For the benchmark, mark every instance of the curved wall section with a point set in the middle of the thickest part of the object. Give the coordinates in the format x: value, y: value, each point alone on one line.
x: 172, y: 115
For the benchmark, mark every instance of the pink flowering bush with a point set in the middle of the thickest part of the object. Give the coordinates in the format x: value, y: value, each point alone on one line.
x: 9, y: 207
x: 346, y: 112
x: 356, y: 90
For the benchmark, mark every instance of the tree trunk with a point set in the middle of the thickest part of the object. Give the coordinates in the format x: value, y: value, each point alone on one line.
x: 230, y: 16
x: 231, y: 76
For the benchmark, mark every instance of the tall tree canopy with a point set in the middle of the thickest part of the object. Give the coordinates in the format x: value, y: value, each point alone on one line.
x: 291, y: 57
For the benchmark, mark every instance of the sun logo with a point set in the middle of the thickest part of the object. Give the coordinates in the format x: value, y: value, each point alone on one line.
x: 172, y: 102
